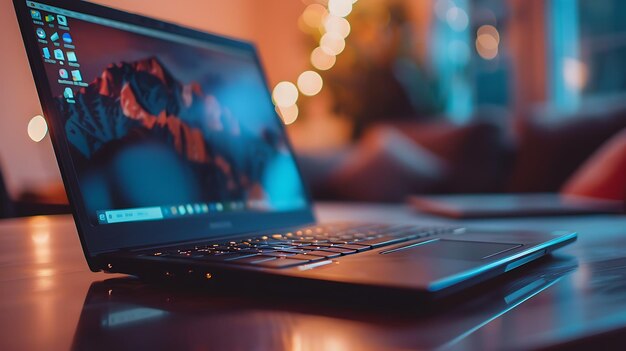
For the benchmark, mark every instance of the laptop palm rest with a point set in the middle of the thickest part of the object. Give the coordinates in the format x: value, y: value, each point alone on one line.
x: 454, y: 249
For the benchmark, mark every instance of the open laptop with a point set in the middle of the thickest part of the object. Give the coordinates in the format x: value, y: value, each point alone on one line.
x: 177, y: 167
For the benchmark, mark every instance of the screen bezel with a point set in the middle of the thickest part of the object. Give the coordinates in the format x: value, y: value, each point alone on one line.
x: 99, y: 239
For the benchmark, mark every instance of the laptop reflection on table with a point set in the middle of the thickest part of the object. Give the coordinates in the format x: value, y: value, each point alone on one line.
x: 124, y: 313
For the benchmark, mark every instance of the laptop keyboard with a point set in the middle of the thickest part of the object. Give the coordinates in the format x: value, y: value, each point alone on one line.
x: 307, y: 245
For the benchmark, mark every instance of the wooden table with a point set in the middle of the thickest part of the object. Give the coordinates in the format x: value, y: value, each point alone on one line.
x: 51, y: 301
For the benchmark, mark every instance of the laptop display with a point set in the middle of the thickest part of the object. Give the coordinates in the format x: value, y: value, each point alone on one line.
x: 160, y: 126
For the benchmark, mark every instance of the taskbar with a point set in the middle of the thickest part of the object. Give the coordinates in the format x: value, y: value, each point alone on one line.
x: 156, y: 213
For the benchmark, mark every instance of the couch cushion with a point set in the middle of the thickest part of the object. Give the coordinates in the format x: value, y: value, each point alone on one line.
x: 552, y: 146
x: 479, y: 154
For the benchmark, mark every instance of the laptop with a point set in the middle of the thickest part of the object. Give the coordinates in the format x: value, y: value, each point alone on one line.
x: 177, y: 168
x: 513, y: 205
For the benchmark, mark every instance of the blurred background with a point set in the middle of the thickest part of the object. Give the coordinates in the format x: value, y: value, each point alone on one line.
x: 385, y: 98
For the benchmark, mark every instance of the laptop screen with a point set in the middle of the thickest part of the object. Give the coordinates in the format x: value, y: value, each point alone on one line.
x: 161, y: 126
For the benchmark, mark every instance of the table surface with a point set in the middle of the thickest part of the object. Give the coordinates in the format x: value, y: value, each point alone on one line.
x: 50, y: 300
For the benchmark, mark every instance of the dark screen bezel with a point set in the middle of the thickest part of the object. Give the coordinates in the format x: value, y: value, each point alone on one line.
x: 97, y: 239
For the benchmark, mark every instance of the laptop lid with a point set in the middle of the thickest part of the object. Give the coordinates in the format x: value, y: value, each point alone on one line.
x: 163, y: 134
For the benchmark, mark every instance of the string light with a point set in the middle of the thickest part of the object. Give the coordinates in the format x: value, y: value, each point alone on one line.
x: 313, y: 15
x: 322, y: 60
x: 289, y: 114
x: 285, y: 94
x: 37, y: 128
x: 332, y: 43
x: 338, y: 25
x: 340, y: 8
x: 310, y: 83
x: 334, y: 28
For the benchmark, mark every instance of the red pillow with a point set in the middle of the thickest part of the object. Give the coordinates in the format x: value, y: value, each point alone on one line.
x: 603, y: 175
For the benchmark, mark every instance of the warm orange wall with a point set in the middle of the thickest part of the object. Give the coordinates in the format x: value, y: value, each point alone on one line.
x: 23, y: 161
x: 272, y: 24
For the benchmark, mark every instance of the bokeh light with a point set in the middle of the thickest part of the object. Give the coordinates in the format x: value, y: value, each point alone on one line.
x: 314, y: 15
x: 322, y: 60
x: 337, y: 25
x: 575, y: 73
x: 457, y: 18
x: 285, y: 94
x: 37, y: 128
x: 332, y: 44
x: 340, y: 8
x: 289, y: 114
x: 310, y: 83
x: 490, y: 31
x: 442, y: 7
x: 487, y: 42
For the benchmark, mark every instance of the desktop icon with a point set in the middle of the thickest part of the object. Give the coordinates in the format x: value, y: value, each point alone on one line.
x: 46, y: 53
x: 63, y: 73
x: 49, y: 18
x: 41, y: 33
x: 54, y: 37
x: 71, y: 56
x: 36, y: 15
x: 68, y: 93
x: 67, y: 38
x: 182, y: 210
x: 62, y: 20
x: 58, y: 54
x: 76, y: 76
x: 189, y: 209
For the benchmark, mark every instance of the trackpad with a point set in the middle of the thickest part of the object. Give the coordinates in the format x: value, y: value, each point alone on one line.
x: 455, y: 249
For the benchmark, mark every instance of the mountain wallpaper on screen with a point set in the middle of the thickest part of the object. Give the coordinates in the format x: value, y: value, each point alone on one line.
x: 133, y: 102
x: 135, y: 95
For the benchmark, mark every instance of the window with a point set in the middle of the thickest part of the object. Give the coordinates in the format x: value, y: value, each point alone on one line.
x: 587, y: 51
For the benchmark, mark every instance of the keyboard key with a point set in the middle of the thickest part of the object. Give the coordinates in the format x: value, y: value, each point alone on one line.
x: 338, y: 250
x: 250, y: 251
x: 310, y: 247
x: 297, y: 250
x: 280, y: 263
x: 221, y: 247
x: 382, y: 241
x: 337, y: 241
x: 356, y: 247
x: 303, y: 242
x: 326, y: 244
x: 223, y: 257
x: 326, y: 254
x: 279, y: 254
x: 309, y: 258
x: 253, y: 259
